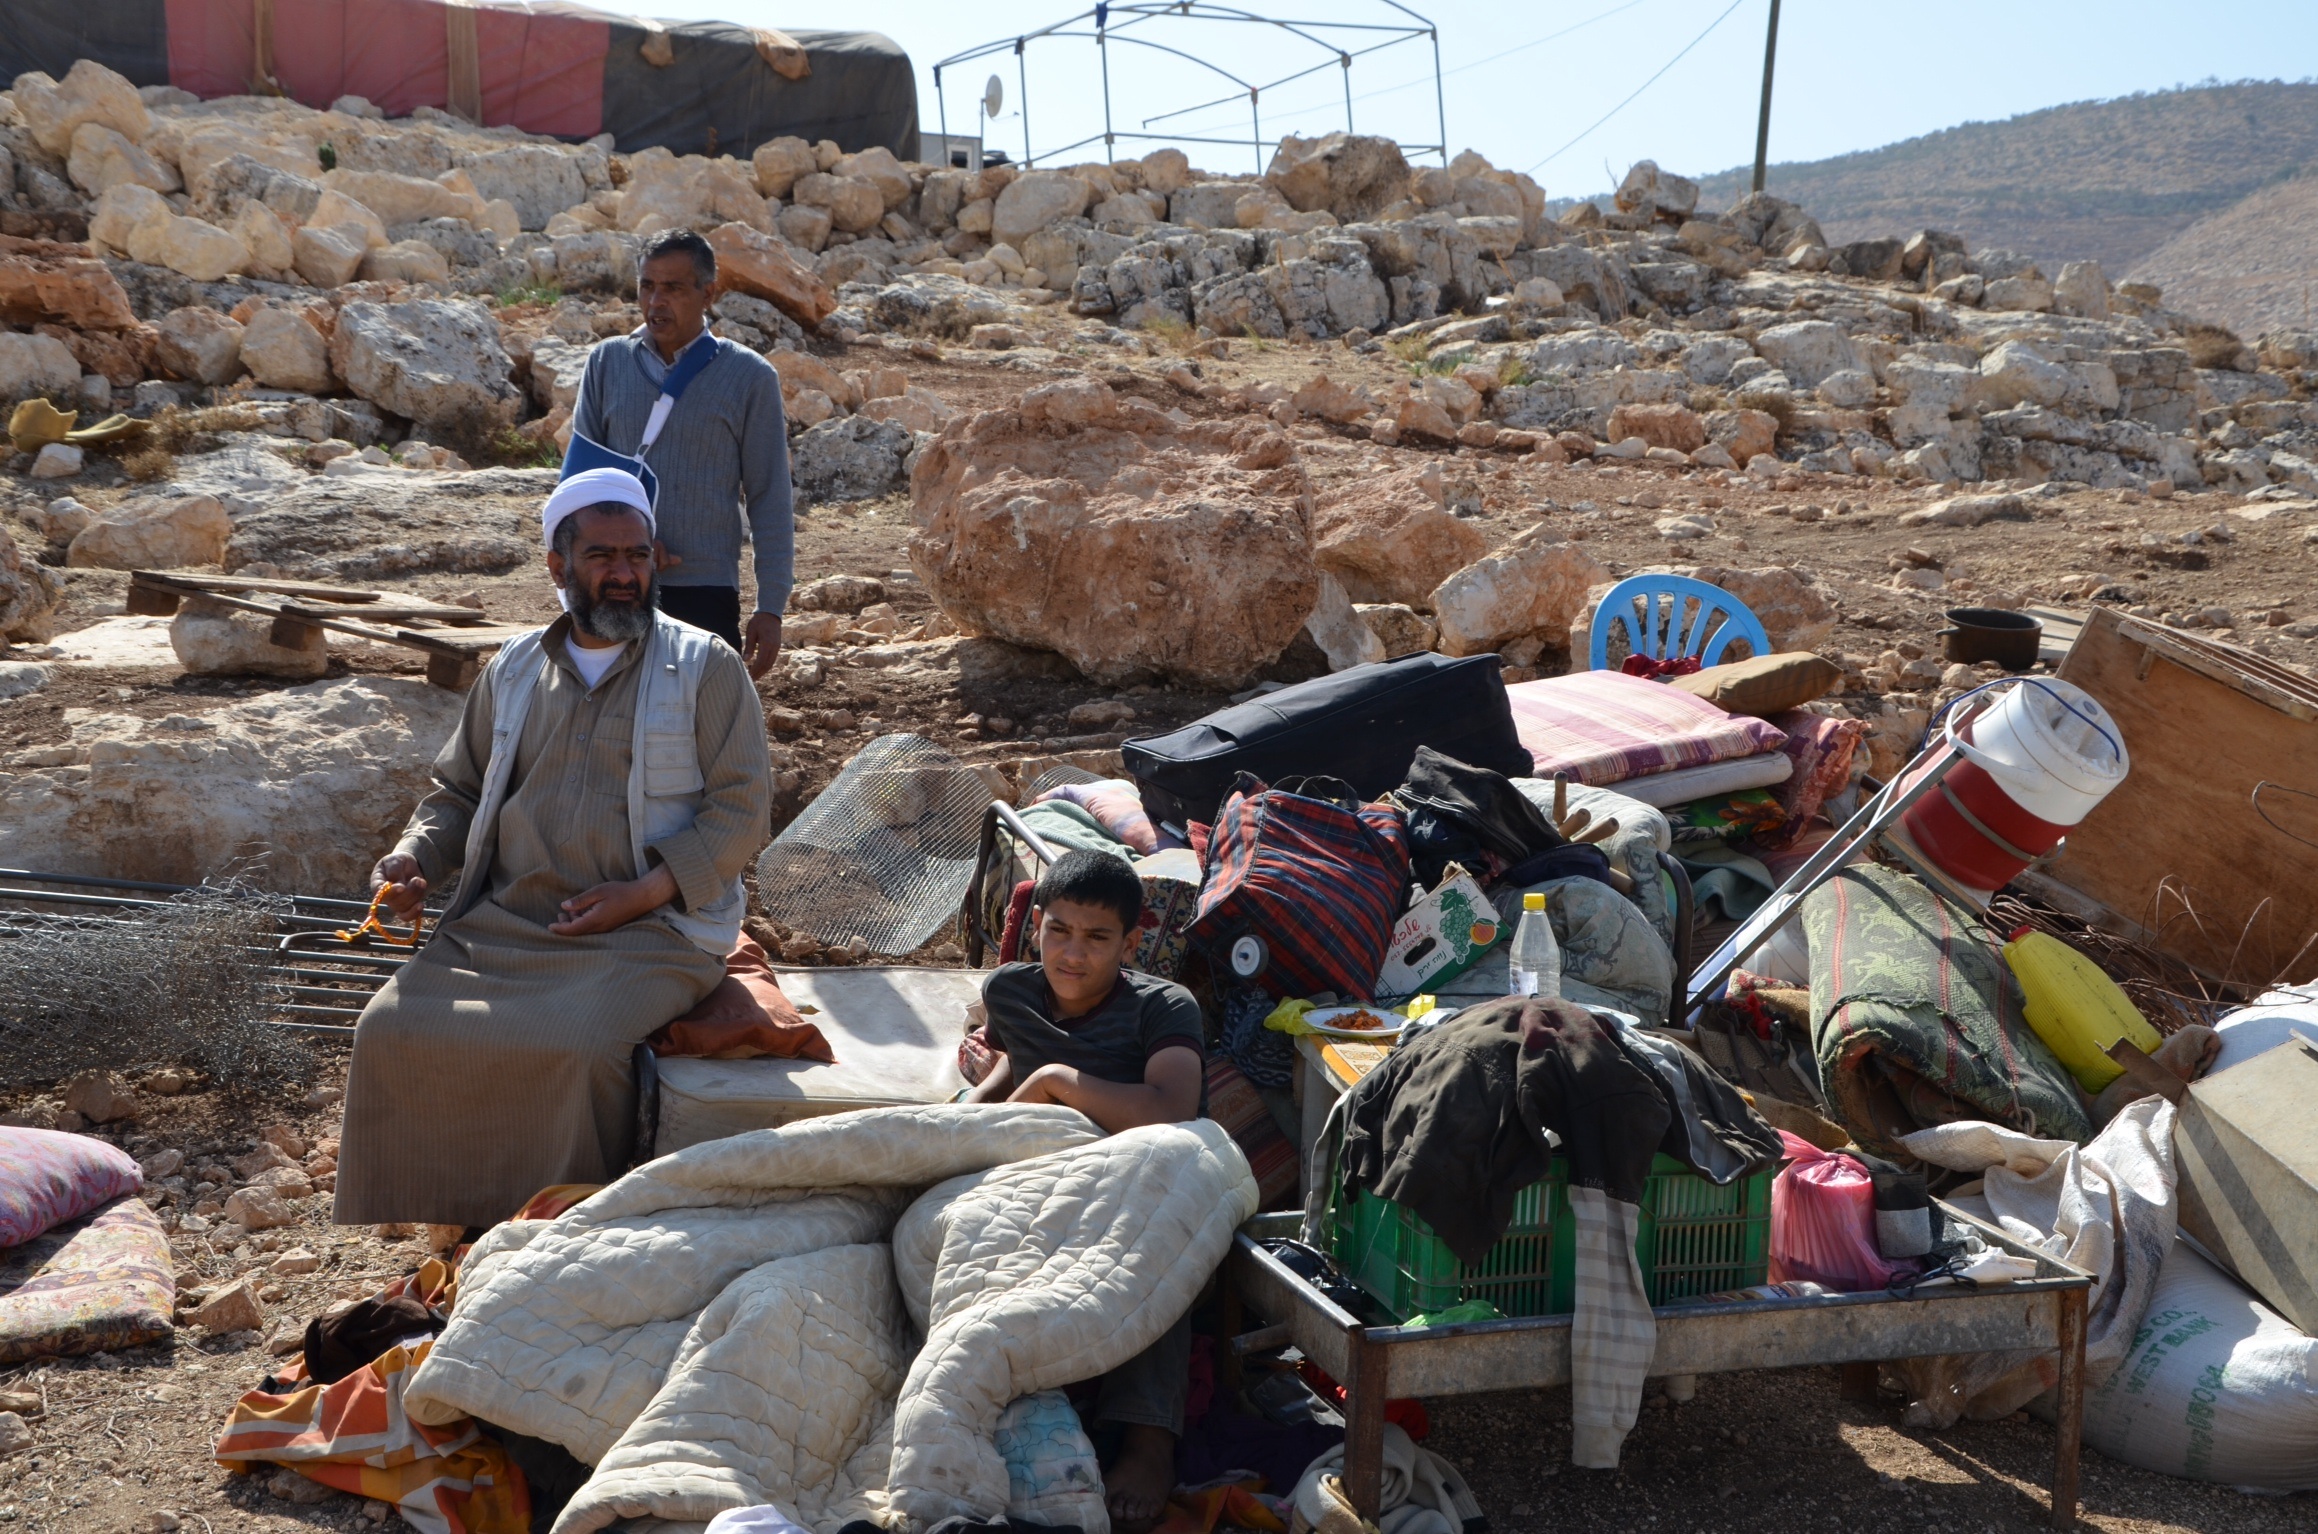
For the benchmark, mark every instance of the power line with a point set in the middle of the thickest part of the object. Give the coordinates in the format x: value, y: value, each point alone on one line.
x: 1639, y: 89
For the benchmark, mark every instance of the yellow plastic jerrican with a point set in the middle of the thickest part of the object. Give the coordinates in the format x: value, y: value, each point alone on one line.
x: 2078, y: 1011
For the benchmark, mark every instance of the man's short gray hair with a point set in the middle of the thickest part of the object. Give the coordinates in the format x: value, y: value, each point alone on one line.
x: 682, y: 242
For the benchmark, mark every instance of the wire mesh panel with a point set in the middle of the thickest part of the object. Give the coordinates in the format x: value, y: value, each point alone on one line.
x: 884, y: 853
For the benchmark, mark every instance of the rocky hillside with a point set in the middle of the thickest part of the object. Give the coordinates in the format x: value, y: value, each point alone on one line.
x: 2108, y: 181
x: 2253, y: 265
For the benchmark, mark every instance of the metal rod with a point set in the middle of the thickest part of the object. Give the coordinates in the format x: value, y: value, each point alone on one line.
x: 1763, y: 119
x: 1257, y: 117
x: 1440, y: 102
x: 1346, y: 60
x: 1022, y: 91
x: 942, y: 107
x: 1103, y: 47
x: 91, y: 881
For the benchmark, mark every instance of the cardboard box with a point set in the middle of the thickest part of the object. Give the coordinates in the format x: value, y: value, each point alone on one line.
x: 2245, y: 1148
x: 1442, y: 936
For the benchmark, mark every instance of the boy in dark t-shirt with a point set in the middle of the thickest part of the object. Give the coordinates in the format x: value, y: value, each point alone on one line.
x: 1126, y: 1049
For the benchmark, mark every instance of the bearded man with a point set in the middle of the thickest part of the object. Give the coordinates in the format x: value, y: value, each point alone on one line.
x: 606, y: 784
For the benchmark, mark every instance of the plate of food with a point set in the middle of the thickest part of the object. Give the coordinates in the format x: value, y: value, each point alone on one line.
x: 1372, y: 1024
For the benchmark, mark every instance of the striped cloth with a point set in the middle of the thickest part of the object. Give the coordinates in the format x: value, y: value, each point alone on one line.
x: 1612, y: 1330
x: 1320, y: 884
x: 1604, y: 727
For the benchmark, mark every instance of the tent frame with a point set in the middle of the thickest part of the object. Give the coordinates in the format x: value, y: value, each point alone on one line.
x: 1108, y: 23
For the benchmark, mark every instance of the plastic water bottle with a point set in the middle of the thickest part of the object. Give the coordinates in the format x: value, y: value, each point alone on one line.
x: 1536, y: 957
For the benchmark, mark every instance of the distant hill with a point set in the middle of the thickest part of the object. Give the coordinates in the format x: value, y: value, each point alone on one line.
x: 2107, y: 180
x: 2253, y: 265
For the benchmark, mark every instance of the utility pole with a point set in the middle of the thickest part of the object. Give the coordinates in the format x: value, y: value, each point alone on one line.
x: 1763, y: 122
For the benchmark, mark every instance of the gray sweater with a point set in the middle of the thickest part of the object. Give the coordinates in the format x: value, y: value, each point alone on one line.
x: 723, y: 456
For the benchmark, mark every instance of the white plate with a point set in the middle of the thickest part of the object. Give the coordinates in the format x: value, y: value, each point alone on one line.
x: 1318, y: 1020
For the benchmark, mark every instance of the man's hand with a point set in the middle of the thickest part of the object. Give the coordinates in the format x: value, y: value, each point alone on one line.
x: 610, y: 906
x: 662, y: 559
x: 396, y: 879
x: 761, y: 642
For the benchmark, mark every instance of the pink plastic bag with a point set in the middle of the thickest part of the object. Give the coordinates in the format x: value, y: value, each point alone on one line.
x: 1823, y: 1222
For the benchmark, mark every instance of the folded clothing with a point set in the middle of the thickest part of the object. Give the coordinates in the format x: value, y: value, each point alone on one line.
x: 48, y: 1177
x: 1605, y: 727
x: 745, y: 1018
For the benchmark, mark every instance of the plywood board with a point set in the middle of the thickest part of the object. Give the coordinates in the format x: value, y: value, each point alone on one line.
x: 2205, y: 724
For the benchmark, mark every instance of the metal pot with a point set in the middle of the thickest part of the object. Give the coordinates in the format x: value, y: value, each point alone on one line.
x: 1976, y: 634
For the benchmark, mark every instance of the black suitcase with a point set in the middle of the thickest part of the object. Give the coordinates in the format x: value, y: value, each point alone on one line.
x: 1362, y: 725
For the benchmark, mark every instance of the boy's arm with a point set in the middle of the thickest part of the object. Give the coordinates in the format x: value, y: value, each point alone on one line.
x: 997, y: 1086
x: 1167, y: 1094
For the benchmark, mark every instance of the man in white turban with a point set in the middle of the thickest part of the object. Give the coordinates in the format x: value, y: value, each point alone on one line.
x: 606, y: 784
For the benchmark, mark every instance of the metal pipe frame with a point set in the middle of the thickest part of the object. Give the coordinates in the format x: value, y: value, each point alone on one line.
x: 1110, y: 21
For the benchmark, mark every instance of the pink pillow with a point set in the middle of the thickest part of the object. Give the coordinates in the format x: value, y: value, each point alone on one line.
x: 47, y: 1178
x: 1604, y: 727
x: 1118, y: 805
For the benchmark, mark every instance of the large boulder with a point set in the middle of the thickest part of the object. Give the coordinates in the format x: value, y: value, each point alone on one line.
x: 191, y: 247
x: 437, y: 361
x: 1807, y: 351
x: 850, y: 458
x: 212, y: 639
x: 28, y: 597
x: 89, y: 93
x: 199, y: 345
x: 327, y: 256
x: 1390, y: 539
x: 757, y: 264
x: 402, y: 199
x: 1795, y: 613
x: 307, y: 787
x: 102, y: 159
x: 1354, y: 176
x: 781, y: 163
x: 854, y: 204
x: 1105, y: 529
x: 540, y: 180
x: 153, y: 533
x: 1034, y: 200
x: 35, y: 364
x: 284, y: 350
x: 2014, y: 373
x: 1533, y: 587
x: 1657, y: 194
x: 63, y: 284
x: 664, y: 191
x: 1669, y: 426
x: 389, y: 524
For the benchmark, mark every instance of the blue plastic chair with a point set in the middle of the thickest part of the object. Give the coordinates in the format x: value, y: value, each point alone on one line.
x: 1650, y: 608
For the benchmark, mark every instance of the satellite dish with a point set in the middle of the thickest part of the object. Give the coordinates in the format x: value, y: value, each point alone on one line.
x: 993, y: 96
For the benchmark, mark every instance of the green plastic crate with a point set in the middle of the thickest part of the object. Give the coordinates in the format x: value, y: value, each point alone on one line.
x: 1693, y: 1238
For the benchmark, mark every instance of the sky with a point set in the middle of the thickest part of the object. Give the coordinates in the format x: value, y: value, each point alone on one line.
x: 1530, y: 85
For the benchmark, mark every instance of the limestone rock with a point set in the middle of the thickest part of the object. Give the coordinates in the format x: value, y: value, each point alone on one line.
x: 405, y: 261
x: 319, y: 777
x: 780, y: 164
x: 153, y: 533
x: 268, y: 240
x: 101, y: 1097
x: 1534, y: 586
x: 1103, y: 529
x: 1332, y: 401
x: 283, y: 350
x: 401, y: 199
x: 35, y: 364
x: 327, y: 257
x: 212, y: 639
x: 760, y: 265
x: 1669, y: 426
x: 837, y: 594
x: 437, y: 361
x: 28, y: 596
x: 235, y: 1308
x: 556, y: 370
x: 41, y: 281
x: 851, y: 458
x: 537, y: 180
x: 1034, y: 200
x: 16, y: 1434
x: 1796, y: 614
x: 1390, y: 539
x: 89, y: 93
x: 1808, y: 350
x: 1659, y: 194
x: 1743, y: 433
x: 102, y: 159
x: 2081, y: 290
x: 58, y: 460
x: 1402, y: 629
x: 853, y: 205
x: 664, y: 191
x: 2016, y: 374
x: 1336, y: 628
x: 1968, y: 511
x: 200, y: 345
x: 915, y: 411
x: 1354, y: 176
x: 390, y: 524
x: 199, y: 250
x: 2030, y: 292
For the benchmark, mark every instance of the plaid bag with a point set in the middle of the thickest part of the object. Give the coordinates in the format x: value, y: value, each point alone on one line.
x: 1320, y: 880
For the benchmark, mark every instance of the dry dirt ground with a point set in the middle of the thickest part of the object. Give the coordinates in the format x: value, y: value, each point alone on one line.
x: 122, y: 1437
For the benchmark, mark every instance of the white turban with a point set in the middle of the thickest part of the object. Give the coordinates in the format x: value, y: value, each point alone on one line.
x: 595, y: 487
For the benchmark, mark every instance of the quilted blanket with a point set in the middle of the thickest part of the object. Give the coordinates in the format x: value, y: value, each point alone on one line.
x: 832, y: 1316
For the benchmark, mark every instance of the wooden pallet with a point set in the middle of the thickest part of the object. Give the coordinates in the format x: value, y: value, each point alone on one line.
x: 455, y: 651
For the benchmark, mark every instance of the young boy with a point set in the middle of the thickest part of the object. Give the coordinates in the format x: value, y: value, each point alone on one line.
x: 1125, y: 1049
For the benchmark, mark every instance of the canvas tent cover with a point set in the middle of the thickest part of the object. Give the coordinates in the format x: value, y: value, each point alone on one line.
x: 562, y: 70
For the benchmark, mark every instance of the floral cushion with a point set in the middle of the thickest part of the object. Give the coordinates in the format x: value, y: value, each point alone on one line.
x: 91, y: 1286
x: 47, y: 1178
